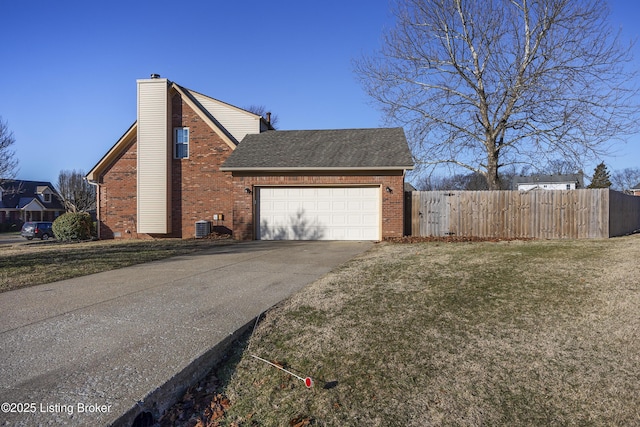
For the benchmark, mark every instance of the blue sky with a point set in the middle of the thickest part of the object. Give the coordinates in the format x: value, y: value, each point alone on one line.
x: 70, y: 67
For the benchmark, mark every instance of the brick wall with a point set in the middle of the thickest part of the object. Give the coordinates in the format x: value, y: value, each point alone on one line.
x: 198, y: 188
x: 117, y: 197
x: 392, y: 203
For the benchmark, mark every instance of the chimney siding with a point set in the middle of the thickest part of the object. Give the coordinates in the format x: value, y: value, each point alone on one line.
x: 154, y: 157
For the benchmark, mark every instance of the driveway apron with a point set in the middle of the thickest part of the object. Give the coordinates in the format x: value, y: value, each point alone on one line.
x: 87, y: 350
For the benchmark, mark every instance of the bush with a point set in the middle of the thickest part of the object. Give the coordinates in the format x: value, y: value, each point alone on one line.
x: 73, y: 227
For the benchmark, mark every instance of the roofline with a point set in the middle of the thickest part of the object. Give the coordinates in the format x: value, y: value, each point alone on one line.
x: 341, y: 129
x: 205, y: 116
x: 112, y: 153
x: 550, y: 182
x: 5, y: 180
x: 33, y: 199
x: 300, y: 169
x: 222, y: 102
x: 235, y: 107
x: 93, y: 174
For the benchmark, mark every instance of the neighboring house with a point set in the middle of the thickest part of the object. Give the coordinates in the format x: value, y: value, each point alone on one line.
x: 636, y: 190
x: 549, y: 182
x: 190, y: 158
x: 22, y: 201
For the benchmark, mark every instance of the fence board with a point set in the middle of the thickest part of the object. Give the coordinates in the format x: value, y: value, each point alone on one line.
x: 567, y: 214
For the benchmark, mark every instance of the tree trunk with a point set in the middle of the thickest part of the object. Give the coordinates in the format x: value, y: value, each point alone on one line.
x: 493, y: 180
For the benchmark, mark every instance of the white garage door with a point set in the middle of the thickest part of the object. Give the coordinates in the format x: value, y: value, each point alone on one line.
x: 318, y: 213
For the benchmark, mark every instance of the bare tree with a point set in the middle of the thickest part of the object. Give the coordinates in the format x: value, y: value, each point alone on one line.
x: 76, y: 193
x: 8, y: 162
x: 261, y: 110
x: 560, y: 167
x: 625, y: 179
x: 485, y: 84
x: 460, y: 182
x: 443, y: 183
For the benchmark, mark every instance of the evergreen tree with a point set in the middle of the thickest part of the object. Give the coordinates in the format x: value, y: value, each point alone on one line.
x: 600, y: 177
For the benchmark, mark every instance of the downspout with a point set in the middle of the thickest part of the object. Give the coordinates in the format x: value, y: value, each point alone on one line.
x: 97, y: 185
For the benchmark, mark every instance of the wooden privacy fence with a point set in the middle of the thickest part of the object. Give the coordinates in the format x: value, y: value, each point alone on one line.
x: 542, y: 214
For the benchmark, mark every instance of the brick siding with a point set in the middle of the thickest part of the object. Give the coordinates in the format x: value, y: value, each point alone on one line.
x: 198, y: 188
x: 117, y: 200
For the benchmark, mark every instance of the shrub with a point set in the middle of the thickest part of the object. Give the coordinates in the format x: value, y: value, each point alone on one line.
x: 73, y: 226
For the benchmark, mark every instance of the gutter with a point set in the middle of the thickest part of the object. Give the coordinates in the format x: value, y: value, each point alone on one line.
x: 97, y: 185
x: 302, y: 169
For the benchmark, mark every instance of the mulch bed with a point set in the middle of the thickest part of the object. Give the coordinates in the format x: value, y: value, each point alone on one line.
x: 201, y: 406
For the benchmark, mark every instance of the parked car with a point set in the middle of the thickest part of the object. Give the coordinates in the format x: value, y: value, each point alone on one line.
x: 40, y: 230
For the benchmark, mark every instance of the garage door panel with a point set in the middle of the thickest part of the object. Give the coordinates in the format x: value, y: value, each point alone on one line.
x: 369, y: 205
x: 309, y: 205
x: 338, y: 219
x: 338, y: 205
x: 322, y: 213
x: 354, y: 220
x: 324, y: 205
x: 369, y: 220
x: 325, y: 219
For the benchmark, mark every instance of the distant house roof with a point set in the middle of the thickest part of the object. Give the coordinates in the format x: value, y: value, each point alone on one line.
x: 16, y: 194
x: 577, y: 178
x: 380, y: 148
x: 636, y: 187
x: 26, y: 201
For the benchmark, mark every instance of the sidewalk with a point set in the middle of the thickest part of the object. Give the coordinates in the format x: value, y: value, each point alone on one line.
x: 88, y: 350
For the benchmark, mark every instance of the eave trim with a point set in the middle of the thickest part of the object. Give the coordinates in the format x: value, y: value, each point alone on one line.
x: 109, y: 157
x: 302, y: 169
x: 190, y: 100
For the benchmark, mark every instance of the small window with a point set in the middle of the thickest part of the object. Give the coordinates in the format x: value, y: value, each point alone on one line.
x: 181, y: 143
x: 568, y: 186
x: 47, y: 197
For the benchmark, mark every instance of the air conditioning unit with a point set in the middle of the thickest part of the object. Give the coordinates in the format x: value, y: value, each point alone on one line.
x: 203, y: 229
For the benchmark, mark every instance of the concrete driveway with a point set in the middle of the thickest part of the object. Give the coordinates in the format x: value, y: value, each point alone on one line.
x: 101, y: 349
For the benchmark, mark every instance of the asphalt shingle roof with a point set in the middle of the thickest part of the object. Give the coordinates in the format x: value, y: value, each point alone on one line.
x: 384, y: 148
x: 19, y: 193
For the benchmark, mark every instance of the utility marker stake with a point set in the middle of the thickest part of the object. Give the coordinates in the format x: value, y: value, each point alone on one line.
x: 308, y: 382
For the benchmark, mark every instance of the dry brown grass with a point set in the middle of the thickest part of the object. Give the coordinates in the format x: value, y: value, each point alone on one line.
x: 466, y: 334
x: 33, y: 263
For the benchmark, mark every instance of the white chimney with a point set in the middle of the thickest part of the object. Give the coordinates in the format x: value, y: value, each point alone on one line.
x: 154, y: 156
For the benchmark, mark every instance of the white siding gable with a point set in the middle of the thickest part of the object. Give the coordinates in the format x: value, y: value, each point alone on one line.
x: 547, y: 186
x: 33, y: 206
x: 236, y: 121
x: 154, y: 149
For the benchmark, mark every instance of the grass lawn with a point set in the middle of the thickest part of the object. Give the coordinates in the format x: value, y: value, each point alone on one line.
x: 37, y: 262
x: 538, y: 333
